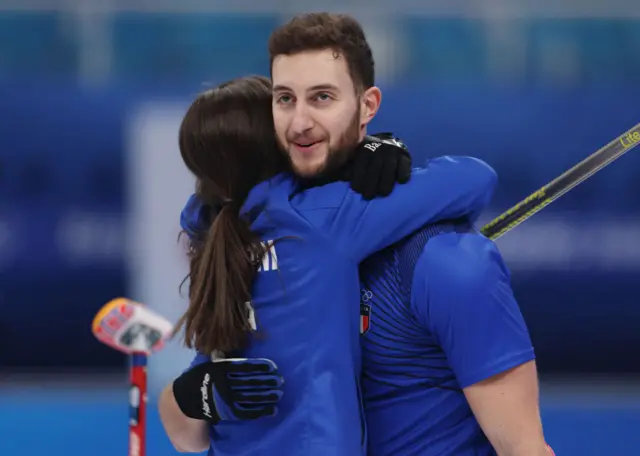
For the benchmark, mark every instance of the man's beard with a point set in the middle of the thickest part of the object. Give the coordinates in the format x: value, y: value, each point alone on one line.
x: 337, y: 158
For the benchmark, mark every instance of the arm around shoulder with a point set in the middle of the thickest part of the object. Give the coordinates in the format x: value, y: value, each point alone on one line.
x: 446, y: 188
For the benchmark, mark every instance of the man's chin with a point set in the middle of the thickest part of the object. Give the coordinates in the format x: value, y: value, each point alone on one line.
x: 308, y: 171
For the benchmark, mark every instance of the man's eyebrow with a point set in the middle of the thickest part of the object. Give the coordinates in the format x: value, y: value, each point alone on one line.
x: 284, y: 88
x: 323, y: 87
x: 281, y: 88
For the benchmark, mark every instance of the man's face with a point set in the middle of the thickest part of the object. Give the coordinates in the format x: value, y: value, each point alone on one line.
x: 316, y: 111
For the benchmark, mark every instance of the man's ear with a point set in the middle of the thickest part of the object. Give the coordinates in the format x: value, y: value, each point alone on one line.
x: 370, y: 100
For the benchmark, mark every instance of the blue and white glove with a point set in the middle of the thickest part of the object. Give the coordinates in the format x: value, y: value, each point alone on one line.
x: 229, y: 390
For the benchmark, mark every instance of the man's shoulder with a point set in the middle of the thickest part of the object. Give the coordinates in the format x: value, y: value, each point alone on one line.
x: 281, y: 194
x: 410, y: 257
x: 413, y: 247
x: 285, y: 186
x: 459, y: 260
x: 454, y: 269
x: 328, y: 196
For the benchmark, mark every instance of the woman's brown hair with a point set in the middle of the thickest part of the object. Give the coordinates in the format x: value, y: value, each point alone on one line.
x: 228, y: 142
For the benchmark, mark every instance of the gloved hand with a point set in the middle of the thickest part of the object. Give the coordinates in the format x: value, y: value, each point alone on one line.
x: 379, y: 162
x: 229, y: 389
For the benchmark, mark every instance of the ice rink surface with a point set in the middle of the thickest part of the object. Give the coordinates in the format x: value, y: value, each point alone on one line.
x: 589, y: 419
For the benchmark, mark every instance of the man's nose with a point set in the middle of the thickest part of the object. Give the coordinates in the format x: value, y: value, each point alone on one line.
x: 302, y: 121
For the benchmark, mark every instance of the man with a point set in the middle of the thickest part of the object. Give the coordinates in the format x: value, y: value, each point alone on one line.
x: 448, y: 358
x: 300, y: 291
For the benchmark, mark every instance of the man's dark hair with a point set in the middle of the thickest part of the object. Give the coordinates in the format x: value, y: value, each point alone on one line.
x: 319, y: 31
x: 228, y: 142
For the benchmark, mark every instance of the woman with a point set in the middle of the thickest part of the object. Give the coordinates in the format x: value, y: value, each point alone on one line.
x: 274, y: 279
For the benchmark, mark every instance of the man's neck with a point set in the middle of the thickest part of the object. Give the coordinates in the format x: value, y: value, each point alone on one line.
x: 305, y: 183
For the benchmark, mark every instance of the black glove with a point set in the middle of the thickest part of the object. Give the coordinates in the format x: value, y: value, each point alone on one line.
x: 229, y: 389
x: 379, y: 162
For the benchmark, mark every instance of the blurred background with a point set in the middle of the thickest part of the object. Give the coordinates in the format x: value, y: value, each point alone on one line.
x: 91, y: 185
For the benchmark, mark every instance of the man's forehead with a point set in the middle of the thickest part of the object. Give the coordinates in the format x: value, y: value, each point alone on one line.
x: 310, y: 70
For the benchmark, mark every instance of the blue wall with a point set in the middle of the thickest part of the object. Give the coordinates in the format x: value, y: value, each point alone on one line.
x: 62, y: 152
